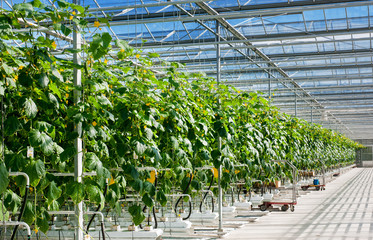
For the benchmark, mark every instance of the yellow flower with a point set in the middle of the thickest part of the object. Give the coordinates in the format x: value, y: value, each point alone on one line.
x: 61, y: 70
x: 20, y: 67
x: 67, y: 95
x: 105, y: 61
x: 122, y: 50
x: 177, y: 109
x: 73, y: 12
x: 239, y: 91
x: 36, y: 230
x: 137, y: 55
x: 112, y: 92
x: 65, y: 125
x: 67, y: 101
x: 100, y: 29
x: 148, y: 104
x: 88, y: 62
x: 71, y: 17
x: 102, y: 127
x: 162, y: 109
x: 144, y: 127
x: 94, y: 123
x: 245, y: 104
x: 54, y: 45
x: 198, y: 100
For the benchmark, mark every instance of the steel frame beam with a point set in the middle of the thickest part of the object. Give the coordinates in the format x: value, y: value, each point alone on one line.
x: 169, y: 17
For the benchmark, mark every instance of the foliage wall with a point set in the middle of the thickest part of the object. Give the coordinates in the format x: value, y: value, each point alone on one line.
x: 131, y: 117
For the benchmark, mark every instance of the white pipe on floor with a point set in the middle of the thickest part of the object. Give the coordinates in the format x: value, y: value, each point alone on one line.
x: 16, y: 223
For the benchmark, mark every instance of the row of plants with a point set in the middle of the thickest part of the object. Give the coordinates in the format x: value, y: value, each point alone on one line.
x: 131, y: 117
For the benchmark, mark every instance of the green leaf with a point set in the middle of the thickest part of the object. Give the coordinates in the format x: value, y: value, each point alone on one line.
x: 148, y: 200
x: 94, y: 193
x: 4, y: 181
x: 53, y: 192
x: 8, y: 70
x: 30, y: 108
x: 106, y: 38
x: 53, y: 87
x: 36, y: 171
x: 4, y: 214
x: 130, y: 171
x: 62, y: 4
x: 148, y: 133
x: 122, y: 44
x: 78, y: 7
x: 53, y: 100
x: 43, y: 80
x: 140, y: 148
x: 43, y: 220
x: 161, y: 198
x: 92, y: 162
x: 65, y: 30
x: 174, y: 143
x: 137, y: 185
x: 153, y: 55
x: 12, y: 125
x: 149, y: 188
x: 57, y: 75
x: 36, y: 3
x: 23, y: 7
x: 29, y: 214
x: 76, y: 191
x: 101, y: 99
x: 54, y: 205
x: 43, y: 126
x: 137, y: 215
x: 67, y: 154
x: 42, y: 140
x: 11, y: 200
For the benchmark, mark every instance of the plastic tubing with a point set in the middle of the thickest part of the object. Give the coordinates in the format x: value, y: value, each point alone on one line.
x: 207, y: 192
x: 190, y: 203
x: 24, y: 199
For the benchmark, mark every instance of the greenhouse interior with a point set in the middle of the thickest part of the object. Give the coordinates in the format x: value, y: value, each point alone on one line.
x: 186, y: 119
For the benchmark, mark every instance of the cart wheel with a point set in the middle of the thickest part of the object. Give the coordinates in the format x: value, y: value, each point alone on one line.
x: 263, y: 207
x: 292, y: 208
x: 324, y: 188
x: 317, y: 188
x: 304, y: 188
x: 284, y: 208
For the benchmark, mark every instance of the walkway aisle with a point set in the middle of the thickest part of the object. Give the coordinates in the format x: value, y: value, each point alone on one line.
x: 343, y: 211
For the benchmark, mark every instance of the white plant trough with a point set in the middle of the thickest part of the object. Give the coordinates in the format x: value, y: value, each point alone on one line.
x: 256, y: 200
x: 245, y: 205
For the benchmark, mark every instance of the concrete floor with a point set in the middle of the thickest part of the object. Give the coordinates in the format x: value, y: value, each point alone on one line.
x: 343, y: 211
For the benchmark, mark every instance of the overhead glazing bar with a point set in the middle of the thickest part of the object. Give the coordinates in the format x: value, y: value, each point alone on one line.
x: 235, y: 14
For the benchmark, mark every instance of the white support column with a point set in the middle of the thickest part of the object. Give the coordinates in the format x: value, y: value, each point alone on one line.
x: 78, y: 160
x: 218, y: 75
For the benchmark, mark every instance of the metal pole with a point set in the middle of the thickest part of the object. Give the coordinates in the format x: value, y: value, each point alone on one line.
x: 218, y: 67
x: 269, y: 85
x: 78, y: 159
x: 295, y: 104
x: 311, y: 114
